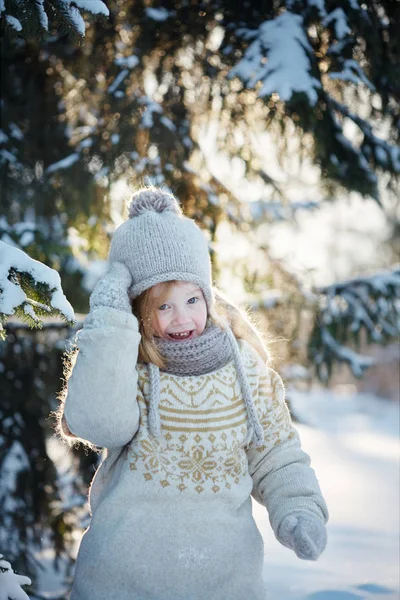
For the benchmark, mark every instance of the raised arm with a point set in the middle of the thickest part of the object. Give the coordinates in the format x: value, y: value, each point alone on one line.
x: 100, y: 405
x: 283, y: 480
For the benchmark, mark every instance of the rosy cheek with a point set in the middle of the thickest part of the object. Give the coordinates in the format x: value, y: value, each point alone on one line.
x: 162, y: 322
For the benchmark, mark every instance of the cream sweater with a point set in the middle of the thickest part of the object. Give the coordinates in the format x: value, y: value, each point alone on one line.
x: 172, y: 517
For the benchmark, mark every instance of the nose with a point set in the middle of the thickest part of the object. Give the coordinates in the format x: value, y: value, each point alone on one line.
x: 181, y: 316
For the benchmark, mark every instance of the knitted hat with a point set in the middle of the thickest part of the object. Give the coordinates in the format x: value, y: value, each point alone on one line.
x: 157, y: 243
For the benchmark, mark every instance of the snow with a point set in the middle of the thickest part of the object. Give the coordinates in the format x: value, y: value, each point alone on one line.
x: 157, y: 14
x: 76, y: 18
x: 270, y: 59
x: 357, y: 362
x: 127, y: 61
x: 64, y: 163
x: 382, y: 148
x: 43, y: 18
x: 13, y: 465
x: 168, y: 123
x: 340, y: 22
x: 353, y: 73
x: 117, y: 81
x: 10, y: 582
x: 6, y: 155
x: 319, y: 5
x: 12, y: 295
x: 96, y: 7
x: 16, y: 132
x: 353, y: 443
x: 262, y: 209
x: 86, y: 143
x: 395, y: 156
x: 14, y: 23
x: 151, y: 108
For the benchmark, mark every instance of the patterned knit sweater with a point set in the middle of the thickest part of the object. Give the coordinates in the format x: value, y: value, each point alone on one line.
x: 172, y: 517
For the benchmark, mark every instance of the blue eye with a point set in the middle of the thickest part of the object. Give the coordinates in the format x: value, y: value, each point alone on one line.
x: 163, y: 307
x: 193, y: 300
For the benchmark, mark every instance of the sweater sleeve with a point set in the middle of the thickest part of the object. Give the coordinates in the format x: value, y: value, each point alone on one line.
x: 100, y: 405
x: 283, y: 480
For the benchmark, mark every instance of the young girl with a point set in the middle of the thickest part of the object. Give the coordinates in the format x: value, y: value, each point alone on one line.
x: 193, y: 421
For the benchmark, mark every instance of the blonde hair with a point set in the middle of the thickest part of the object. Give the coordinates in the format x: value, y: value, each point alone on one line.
x: 221, y: 313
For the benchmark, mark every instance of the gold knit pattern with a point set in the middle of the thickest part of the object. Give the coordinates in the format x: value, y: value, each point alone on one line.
x: 204, y: 427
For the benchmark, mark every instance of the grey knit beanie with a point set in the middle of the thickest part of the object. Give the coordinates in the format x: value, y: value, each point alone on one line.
x: 157, y: 243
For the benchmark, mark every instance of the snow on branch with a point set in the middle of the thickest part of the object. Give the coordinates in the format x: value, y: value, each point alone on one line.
x: 153, y: 108
x: 27, y: 18
x: 29, y: 289
x: 95, y: 7
x: 269, y: 59
x: 353, y: 73
x: 368, y: 305
x: 10, y: 582
x: 337, y: 18
x: 384, y: 153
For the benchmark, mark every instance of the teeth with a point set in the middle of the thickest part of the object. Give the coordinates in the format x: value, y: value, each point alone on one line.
x: 181, y: 335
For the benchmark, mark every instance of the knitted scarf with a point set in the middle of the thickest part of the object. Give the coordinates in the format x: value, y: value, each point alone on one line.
x: 212, y: 350
x: 208, y: 352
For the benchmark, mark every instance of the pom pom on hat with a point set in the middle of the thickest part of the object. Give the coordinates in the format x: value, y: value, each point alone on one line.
x: 154, y: 200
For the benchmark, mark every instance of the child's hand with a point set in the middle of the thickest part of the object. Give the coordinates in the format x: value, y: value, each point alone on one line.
x: 112, y: 289
x: 304, y: 533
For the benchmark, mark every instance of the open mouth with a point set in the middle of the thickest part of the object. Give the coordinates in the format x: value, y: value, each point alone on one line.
x: 183, y: 335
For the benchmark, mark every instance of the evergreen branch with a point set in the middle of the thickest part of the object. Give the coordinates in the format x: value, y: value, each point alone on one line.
x: 384, y: 152
x: 33, y: 19
x: 29, y: 289
x: 349, y: 309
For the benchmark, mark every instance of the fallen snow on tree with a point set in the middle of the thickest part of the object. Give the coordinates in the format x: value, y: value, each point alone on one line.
x: 269, y: 59
x: 10, y: 582
x: 14, y: 23
x: 69, y: 9
x: 11, y: 294
x: 157, y: 14
x: 64, y: 163
x: 96, y: 7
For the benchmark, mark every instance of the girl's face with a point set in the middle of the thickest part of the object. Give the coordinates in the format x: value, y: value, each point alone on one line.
x: 182, y: 314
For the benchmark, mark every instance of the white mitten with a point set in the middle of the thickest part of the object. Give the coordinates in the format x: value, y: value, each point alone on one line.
x: 304, y: 533
x: 112, y: 289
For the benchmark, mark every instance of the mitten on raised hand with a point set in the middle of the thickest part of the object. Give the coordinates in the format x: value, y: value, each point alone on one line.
x: 304, y: 533
x: 112, y: 289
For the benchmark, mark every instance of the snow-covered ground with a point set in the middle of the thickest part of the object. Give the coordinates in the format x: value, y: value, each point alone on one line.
x: 353, y: 442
